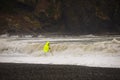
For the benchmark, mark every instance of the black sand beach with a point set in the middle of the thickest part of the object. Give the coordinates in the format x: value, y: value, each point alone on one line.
x: 12, y: 71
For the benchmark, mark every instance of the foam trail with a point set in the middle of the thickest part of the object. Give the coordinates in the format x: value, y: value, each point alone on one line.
x: 90, y: 51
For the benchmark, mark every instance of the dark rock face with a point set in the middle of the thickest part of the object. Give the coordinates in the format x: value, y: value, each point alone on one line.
x: 92, y: 16
x: 74, y: 16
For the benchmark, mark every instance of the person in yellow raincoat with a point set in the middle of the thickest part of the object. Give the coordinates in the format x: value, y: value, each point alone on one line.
x: 46, y: 47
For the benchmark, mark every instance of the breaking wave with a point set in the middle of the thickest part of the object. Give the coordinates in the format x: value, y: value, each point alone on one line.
x: 58, y: 48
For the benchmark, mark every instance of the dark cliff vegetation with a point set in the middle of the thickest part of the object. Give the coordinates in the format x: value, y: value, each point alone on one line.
x: 60, y: 16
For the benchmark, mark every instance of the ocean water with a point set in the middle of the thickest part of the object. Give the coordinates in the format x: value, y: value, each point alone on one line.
x: 89, y: 50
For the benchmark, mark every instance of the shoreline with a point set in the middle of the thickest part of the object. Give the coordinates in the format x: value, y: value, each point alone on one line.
x: 13, y: 71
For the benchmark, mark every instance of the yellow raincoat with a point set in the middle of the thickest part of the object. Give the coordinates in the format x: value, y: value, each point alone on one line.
x: 46, y: 47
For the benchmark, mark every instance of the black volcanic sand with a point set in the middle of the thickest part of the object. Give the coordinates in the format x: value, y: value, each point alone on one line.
x: 11, y: 71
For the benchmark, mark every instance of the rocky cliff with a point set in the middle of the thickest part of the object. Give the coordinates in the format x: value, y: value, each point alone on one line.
x: 73, y: 16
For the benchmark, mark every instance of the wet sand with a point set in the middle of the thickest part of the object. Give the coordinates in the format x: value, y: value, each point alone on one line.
x: 12, y: 71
